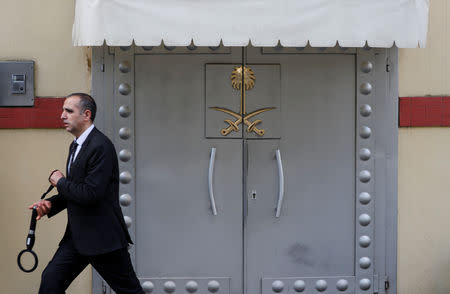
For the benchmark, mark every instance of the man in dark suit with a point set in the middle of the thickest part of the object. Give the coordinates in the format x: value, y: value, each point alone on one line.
x: 96, y: 233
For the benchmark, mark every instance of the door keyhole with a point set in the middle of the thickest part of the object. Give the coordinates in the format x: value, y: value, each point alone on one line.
x: 253, y: 194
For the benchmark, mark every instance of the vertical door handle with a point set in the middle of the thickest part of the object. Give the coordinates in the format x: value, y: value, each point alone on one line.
x: 210, y: 180
x: 245, y: 175
x: 280, y: 183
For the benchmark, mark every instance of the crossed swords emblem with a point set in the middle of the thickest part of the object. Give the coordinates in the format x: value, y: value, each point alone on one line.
x: 243, y: 79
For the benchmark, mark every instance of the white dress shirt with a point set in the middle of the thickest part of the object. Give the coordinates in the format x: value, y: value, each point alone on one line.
x: 80, y: 142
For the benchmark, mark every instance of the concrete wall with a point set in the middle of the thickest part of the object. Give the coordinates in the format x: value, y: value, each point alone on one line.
x: 38, y: 31
x: 27, y: 157
x: 43, y: 34
x: 42, y: 31
x: 426, y: 71
x: 423, y: 218
x: 424, y: 167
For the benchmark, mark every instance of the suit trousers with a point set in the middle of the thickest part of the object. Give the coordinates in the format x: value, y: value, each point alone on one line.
x: 114, y: 267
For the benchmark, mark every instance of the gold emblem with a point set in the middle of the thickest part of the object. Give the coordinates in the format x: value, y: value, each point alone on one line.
x: 237, y: 78
x: 243, y: 79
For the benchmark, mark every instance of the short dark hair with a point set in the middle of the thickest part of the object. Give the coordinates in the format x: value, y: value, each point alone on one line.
x: 86, y: 102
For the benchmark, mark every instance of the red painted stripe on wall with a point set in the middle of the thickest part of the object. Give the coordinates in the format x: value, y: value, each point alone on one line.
x: 413, y: 112
x: 424, y: 111
x: 45, y: 114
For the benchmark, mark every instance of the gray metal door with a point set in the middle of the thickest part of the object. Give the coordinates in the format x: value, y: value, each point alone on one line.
x: 189, y: 207
x: 250, y: 170
x: 300, y: 224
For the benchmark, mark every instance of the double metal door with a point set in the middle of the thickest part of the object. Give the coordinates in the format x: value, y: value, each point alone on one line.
x: 246, y: 173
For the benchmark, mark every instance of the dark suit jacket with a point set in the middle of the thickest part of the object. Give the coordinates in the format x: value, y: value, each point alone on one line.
x: 91, y: 195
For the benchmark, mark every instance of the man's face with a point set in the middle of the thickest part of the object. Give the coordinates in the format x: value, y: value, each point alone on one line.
x: 74, y: 121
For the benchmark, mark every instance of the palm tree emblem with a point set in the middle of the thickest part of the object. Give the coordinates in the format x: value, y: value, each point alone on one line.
x: 243, y: 79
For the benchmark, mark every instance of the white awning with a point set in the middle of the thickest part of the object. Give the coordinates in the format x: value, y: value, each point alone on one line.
x: 293, y: 23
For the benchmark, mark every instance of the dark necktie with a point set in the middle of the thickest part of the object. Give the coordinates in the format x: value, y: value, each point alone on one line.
x: 73, y: 149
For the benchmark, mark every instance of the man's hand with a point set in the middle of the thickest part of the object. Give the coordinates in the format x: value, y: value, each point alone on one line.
x: 55, y: 176
x: 42, y: 207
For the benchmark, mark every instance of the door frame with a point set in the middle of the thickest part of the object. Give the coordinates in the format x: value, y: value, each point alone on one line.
x: 107, y: 75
